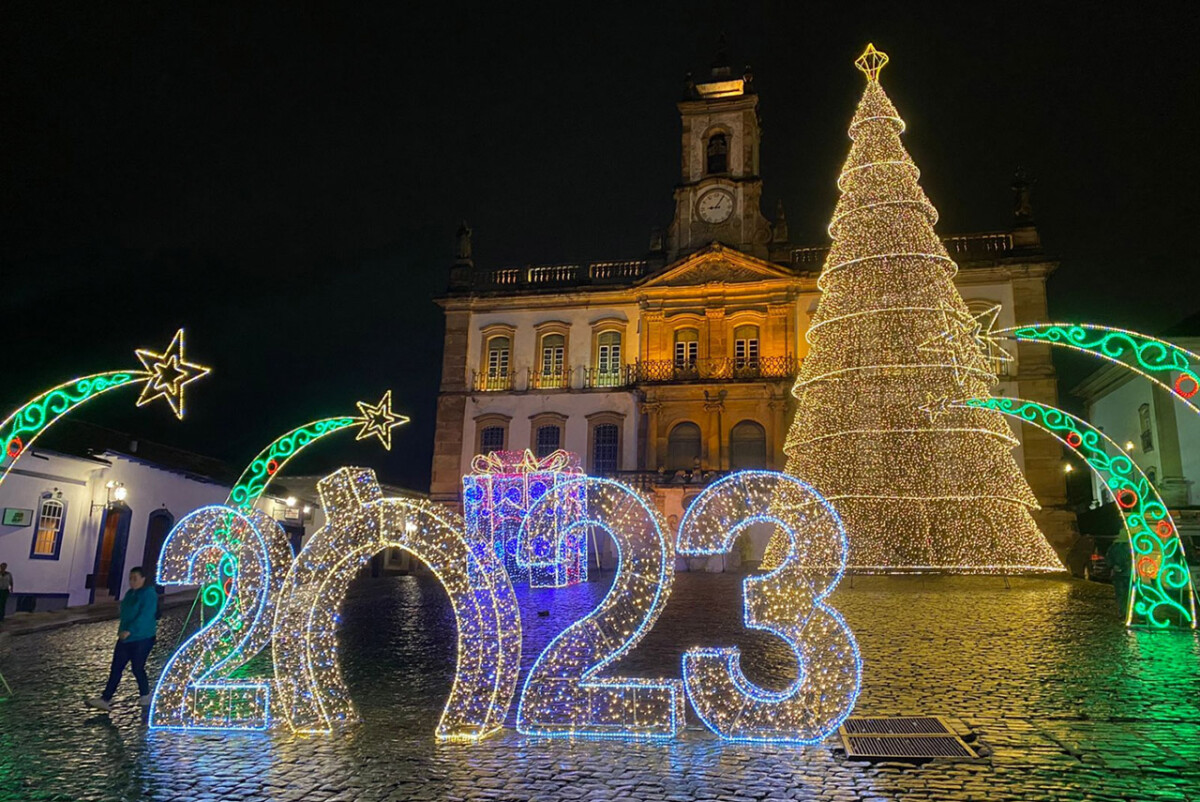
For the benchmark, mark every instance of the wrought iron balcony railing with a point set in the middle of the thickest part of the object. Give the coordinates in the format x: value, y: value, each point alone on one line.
x: 719, y: 369
x: 595, y: 378
x: 491, y: 382
x: 555, y: 380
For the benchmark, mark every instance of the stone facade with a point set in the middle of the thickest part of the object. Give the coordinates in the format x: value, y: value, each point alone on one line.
x: 708, y: 330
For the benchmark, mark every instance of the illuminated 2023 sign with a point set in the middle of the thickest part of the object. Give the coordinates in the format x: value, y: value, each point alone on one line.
x: 565, y: 693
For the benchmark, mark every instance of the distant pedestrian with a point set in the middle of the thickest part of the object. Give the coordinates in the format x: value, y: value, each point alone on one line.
x: 1120, y: 566
x: 135, y: 639
x: 6, y: 587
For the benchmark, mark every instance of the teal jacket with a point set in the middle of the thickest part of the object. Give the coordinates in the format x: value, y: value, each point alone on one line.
x: 139, y: 610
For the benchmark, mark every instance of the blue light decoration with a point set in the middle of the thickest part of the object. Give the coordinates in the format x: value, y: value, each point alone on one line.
x: 312, y: 693
x: 788, y: 602
x: 245, y: 554
x: 564, y: 694
x: 498, y: 494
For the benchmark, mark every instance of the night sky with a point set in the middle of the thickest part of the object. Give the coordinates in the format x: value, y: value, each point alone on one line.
x: 286, y: 182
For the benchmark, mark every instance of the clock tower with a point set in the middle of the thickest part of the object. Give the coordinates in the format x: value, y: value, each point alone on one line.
x: 718, y: 196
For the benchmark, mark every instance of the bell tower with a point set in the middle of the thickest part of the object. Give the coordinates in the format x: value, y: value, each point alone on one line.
x: 719, y: 192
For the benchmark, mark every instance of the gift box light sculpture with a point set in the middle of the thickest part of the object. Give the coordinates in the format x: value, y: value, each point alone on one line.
x: 312, y: 692
x: 788, y: 602
x: 246, y: 554
x: 564, y: 694
x: 498, y: 494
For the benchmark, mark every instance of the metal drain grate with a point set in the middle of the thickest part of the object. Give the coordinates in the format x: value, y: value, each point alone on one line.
x: 911, y: 738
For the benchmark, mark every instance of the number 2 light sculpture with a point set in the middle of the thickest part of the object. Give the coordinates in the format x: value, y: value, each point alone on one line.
x: 788, y: 602
x: 564, y: 694
x: 313, y: 694
x: 246, y: 554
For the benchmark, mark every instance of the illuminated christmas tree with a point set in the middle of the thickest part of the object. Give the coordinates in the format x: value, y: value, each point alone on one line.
x: 920, y: 484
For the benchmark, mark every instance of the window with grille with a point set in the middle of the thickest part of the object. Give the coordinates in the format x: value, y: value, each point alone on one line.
x: 48, y: 536
x: 604, y: 448
x: 498, y: 355
x: 718, y: 153
x: 745, y: 346
x: 687, y: 347
x: 608, y: 353
x: 547, y: 440
x: 553, y: 351
x: 491, y: 439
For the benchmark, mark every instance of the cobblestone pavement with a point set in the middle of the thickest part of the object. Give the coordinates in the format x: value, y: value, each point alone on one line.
x: 1065, y: 703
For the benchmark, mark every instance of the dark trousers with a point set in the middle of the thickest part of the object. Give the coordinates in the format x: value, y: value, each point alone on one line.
x: 129, y: 652
x: 3, y: 602
x: 1121, y: 584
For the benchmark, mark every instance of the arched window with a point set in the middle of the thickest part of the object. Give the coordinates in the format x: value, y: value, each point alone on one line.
x: 683, y: 447
x: 687, y: 347
x: 47, y: 540
x: 498, y: 353
x: 718, y: 154
x: 608, y: 354
x: 605, y: 440
x: 553, y: 353
x: 747, y: 446
x: 547, y: 440
x: 491, y: 438
x: 158, y: 525
x: 745, y: 347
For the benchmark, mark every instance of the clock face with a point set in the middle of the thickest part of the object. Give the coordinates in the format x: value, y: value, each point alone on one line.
x: 715, y: 206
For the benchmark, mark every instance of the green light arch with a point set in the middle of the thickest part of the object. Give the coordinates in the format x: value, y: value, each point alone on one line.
x: 1162, y: 594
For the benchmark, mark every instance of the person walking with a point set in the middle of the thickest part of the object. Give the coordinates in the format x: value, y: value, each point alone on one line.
x: 1120, y: 565
x: 6, y: 587
x: 135, y: 639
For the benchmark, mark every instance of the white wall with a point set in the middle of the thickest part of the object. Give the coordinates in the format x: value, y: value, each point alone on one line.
x: 1116, y: 414
x: 576, y: 406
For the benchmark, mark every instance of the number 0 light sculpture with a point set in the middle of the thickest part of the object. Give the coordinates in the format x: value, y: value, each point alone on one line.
x: 361, y: 523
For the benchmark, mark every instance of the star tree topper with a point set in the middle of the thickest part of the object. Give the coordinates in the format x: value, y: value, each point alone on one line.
x: 169, y: 373
x: 871, y: 62
x: 379, y: 420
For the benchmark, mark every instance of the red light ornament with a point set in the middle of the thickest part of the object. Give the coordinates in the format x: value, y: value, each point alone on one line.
x: 1074, y: 439
x: 15, y: 447
x: 1186, y: 385
x: 1126, y: 498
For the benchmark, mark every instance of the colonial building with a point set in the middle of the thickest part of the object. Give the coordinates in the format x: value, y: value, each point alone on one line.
x: 668, y: 368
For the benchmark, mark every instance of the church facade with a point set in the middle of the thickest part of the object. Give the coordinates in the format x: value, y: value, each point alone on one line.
x: 669, y: 369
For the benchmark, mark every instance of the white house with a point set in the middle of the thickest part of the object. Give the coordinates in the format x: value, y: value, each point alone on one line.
x: 79, y: 516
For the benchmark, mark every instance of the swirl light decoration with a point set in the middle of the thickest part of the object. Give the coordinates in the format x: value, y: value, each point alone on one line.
x: 1162, y: 592
x: 164, y: 376
x: 789, y: 602
x: 1173, y: 368
x: 245, y: 553
x: 313, y: 694
x: 564, y: 694
x: 497, y: 495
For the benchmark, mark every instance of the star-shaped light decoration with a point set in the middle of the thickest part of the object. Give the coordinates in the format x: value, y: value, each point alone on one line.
x: 981, y: 328
x: 379, y: 420
x: 169, y: 373
x: 936, y: 406
x: 871, y: 62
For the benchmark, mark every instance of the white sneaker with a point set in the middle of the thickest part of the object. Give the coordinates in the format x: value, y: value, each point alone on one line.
x: 144, y: 701
x: 100, y: 704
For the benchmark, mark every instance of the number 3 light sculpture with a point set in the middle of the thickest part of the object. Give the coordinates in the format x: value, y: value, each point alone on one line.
x: 788, y: 602
x: 361, y: 523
